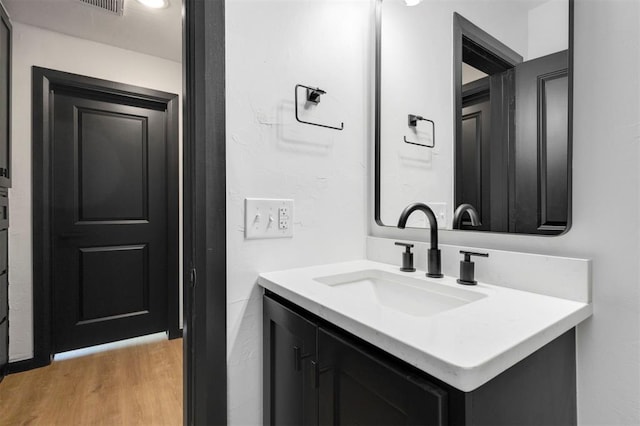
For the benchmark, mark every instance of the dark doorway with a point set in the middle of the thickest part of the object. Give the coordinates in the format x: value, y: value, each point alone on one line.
x: 512, y: 134
x: 474, y: 148
x: 484, y: 120
x: 105, y: 181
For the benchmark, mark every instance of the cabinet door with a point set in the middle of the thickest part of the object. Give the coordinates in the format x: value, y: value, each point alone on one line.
x: 290, y: 356
x: 357, y: 388
x: 4, y: 298
x: 4, y: 347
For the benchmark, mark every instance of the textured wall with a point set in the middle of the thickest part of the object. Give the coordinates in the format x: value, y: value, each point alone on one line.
x: 35, y: 46
x: 272, y: 46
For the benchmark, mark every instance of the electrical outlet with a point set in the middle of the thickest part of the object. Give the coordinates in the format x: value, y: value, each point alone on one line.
x: 268, y: 218
x: 283, y: 218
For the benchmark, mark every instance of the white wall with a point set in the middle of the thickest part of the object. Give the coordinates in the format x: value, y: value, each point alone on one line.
x: 35, y: 46
x: 272, y: 46
x: 548, y: 29
x: 606, y: 209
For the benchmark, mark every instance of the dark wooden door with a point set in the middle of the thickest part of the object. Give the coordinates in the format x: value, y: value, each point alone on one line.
x: 109, y: 219
x: 473, y: 154
x: 541, y: 146
x: 357, y: 388
x: 482, y: 151
x: 290, y: 387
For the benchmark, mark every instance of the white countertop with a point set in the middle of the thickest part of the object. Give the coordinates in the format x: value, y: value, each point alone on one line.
x: 465, y: 347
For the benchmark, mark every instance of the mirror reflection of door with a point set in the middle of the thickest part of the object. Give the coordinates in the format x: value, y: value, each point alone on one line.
x: 541, y: 200
x: 482, y: 147
x: 512, y: 140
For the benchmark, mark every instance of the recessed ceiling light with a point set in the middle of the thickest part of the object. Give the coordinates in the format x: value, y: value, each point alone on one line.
x: 155, y: 4
x: 407, y: 2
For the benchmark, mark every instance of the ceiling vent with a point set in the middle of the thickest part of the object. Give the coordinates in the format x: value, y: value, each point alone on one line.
x: 112, y: 6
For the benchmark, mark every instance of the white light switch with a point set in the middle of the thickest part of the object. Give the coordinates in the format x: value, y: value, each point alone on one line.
x: 440, y: 211
x: 419, y: 220
x: 268, y: 218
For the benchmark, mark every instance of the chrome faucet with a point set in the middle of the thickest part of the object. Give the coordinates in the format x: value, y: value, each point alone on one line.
x: 433, y: 254
x: 473, y: 215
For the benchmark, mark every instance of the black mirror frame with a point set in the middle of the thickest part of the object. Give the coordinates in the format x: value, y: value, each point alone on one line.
x: 377, y: 118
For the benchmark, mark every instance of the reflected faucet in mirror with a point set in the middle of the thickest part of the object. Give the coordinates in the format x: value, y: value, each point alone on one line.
x: 460, y: 211
x: 433, y: 254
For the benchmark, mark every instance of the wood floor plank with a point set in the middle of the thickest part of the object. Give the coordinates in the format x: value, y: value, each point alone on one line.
x: 138, y: 385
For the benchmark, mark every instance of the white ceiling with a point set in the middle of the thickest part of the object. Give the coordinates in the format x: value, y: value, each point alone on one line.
x: 154, y: 32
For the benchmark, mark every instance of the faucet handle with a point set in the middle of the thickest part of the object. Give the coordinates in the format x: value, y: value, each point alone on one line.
x: 407, y: 257
x: 407, y: 245
x: 467, y: 266
x: 468, y: 254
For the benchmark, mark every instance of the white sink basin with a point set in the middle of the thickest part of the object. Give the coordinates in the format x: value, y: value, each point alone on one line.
x: 409, y: 295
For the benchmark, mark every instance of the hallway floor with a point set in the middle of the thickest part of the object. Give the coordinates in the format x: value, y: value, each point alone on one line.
x: 136, y: 385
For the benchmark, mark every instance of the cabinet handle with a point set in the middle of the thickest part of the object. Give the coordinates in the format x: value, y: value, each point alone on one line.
x: 298, y: 357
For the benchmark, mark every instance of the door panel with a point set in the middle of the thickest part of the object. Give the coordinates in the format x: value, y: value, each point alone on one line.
x: 119, y: 274
x: 4, y: 347
x: 4, y: 297
x: 542, y: 135
x: 473, y: 161
x: 113, y: 180
x: 109, y: 220
x: 553, y: 149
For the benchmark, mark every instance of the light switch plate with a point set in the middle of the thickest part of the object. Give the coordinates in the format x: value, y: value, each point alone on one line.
x: 441, y: 213
x: 268, y: 218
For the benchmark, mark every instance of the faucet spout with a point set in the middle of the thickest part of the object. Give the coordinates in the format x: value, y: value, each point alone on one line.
x: 433, y: 222
x: 473, y: 215
x: 433, y: 255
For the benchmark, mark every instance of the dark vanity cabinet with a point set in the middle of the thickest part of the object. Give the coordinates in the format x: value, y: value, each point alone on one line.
x: 4, y: 287
x: 359, y: 388
x: 290, y: 365
x: 314, y: 375
x: 317, y: 374
x: 5, y: 182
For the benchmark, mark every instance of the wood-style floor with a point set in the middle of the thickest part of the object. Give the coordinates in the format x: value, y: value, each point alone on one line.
x: 138, y: 385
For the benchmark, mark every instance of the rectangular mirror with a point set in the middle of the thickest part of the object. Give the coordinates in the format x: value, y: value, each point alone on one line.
x: 473, y: 109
